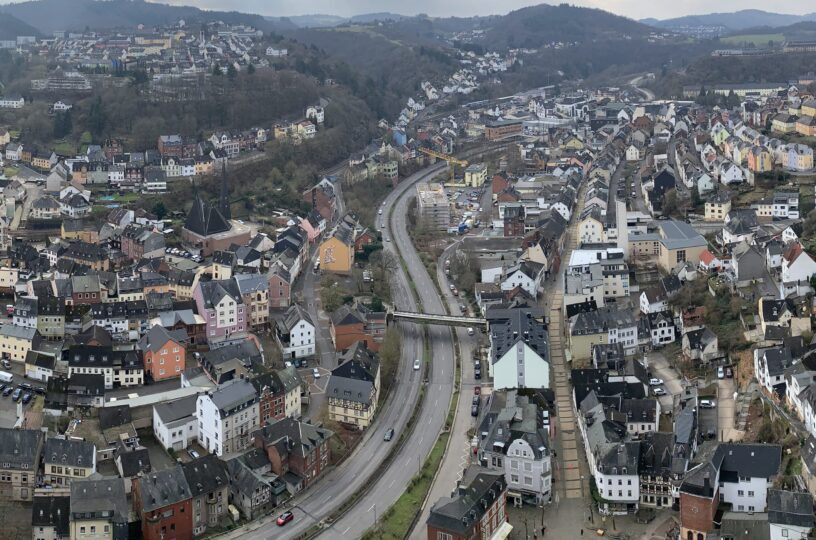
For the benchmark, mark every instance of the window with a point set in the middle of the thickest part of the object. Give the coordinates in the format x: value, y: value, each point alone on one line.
x: 750, y: 508
x: 514, y: 478
x: 750, y: 493
x: 740, y: 493
x: 443, y: 536
x: 681, y: 255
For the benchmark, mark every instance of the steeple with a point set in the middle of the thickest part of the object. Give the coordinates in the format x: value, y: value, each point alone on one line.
x: 223, y: 201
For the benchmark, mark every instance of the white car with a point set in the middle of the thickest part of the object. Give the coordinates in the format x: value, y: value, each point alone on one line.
x: 655, y: 382
x: 707, y: 404
x: 380, y: 211
x: 659, y: 391
x: 416, y: 364
x: 316, y: 373
x: 721, y: 372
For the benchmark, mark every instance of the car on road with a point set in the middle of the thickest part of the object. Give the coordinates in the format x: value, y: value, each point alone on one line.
x: 285, y: 518
x: 416, y: 364
x: 655, y: 382
x: 659, y: 391
x: 721, y: 372
x: 475, y: 400
x: 380, y: 211
x: 707, y: 404
x: 474, y: 410
x: 315, y: 373
x: 27, y: 397
x: 17, y: 394
x: 471, y: 331
x: 389, y: 435
x: 477, y: 373
x: 477, y: 390
x: 387, y: 239
x: 194, y: 454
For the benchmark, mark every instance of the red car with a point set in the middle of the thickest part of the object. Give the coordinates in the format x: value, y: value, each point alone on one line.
x: 285, y: 518
x: 477, y: 390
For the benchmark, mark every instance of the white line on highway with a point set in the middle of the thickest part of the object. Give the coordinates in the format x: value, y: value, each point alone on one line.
x: 372, y: 507
x: 429, y: 421
x: 391, y: 484
x: 436, y: 402
x: 420, y: 442
x: 327, y: 499
x: 347, y: 530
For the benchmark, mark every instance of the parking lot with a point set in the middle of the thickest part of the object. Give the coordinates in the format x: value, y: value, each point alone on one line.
x: 8, y: 407
x: 659, y: 368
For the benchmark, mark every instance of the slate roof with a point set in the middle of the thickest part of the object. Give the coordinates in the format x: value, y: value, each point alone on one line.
x: 205, y: 474
x: 232, y: 396
x: 459, y: 513
x: 509, y: 326
x: 52, y: 511
x: 290, y: 435
x: 790, y: 508
x: 96, y: 496
x: 170, y: 411
x: 205, y: 219
x: 69, y: 452
x: 111, y: 417
x: 135, y: 462
x: 163, y: 488
x: 354, y: 379
x: 20, y: 448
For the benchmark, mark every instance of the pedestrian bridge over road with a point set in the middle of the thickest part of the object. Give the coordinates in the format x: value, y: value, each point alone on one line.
x: 429, y: 318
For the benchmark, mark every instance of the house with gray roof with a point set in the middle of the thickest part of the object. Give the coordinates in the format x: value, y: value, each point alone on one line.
x: 158, y: 497
x: 298, y: 451
x: 354, y: 387
x: 790, y: 513
x: 295, y: 333
x: 65, y: 460
x: 519, y: 348
x: 96, y: 501
x: 20, y: 451
x: 482, y: 493
x: 209, y: 484
x: 175, y: 424
x: 513, y: 442
x: 227, y: 417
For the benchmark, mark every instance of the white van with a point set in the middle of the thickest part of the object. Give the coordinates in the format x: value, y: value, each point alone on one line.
x: 6, y: 377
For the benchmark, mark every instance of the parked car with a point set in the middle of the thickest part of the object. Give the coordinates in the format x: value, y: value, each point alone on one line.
x: 474, y: 410
x: 707, y: 404
x: 389, y: 435
x: 655, y: 382
x: 27, y: 397
x: 728, y: 373
x: 285, y: 518
x: 659, y: 391
x: 16, y: 394
x: 477, y: 373
x: 471, y: 331
x: 477, y: 390
x: 26, y: 386
x: 721, y: 372
x: 6, y: 364
x: 194, y: 454
x: 8, y: 391
x: 475, y: 400
x: 316, y: 373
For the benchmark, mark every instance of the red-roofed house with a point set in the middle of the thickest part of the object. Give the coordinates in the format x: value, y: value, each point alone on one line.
x: 500, y: 183
x: 797, y: 265
x: 709, y: 262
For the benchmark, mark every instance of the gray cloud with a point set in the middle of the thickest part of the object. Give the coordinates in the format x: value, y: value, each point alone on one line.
x: 636, y: 9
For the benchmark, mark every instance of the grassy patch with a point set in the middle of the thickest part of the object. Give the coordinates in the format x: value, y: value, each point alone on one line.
x: 397, y: 520
x: 65, y: 148
x: 10, y: 171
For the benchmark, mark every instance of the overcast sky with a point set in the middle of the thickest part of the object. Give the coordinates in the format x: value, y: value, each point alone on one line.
x: 636, y: 9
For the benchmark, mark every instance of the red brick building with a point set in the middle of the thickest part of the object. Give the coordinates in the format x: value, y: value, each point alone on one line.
x: 477, y: 510
x: 699, y: 499
x: 163, y: 501
x: 499, y: 129
x: 164, y: 352
x: 514, y: 221
x: 295, y: 447
x: 279, y: 287
x: 272, y: 400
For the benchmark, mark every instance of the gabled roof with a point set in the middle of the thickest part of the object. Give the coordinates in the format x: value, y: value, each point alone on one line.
x: 160, y: 489
x: 205, y: 474
x: 205, y: 219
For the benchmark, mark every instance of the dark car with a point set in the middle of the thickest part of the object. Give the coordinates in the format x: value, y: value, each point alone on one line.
x: 475, y: 400
x: 285, y: 518
x: 474, y: 410
x: 26, y: 386
x: 478, y: 373
x: 2, y: 387
x: 27, y: 397
x: 389, y: 435
x: 39, y: 390
x: 8, y: 391
x: 16, y: 394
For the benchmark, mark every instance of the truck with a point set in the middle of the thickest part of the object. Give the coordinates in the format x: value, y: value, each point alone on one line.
x: 463, y: 228
x: 6, y: 377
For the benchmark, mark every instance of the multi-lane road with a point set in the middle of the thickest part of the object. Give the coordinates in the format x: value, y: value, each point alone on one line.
x: 341, y: 483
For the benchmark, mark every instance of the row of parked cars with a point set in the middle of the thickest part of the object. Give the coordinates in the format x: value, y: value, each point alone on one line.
x: 24, y: 391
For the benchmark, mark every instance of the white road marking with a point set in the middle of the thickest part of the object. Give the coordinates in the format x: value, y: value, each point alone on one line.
x: 391, y: 484
x: 372, y: 508
x: 327, y: 499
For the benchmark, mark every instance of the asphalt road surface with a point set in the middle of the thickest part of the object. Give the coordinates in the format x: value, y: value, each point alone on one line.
x: 339, y: 484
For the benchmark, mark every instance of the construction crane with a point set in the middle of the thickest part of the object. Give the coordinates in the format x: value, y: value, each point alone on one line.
x: 444, y: 157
